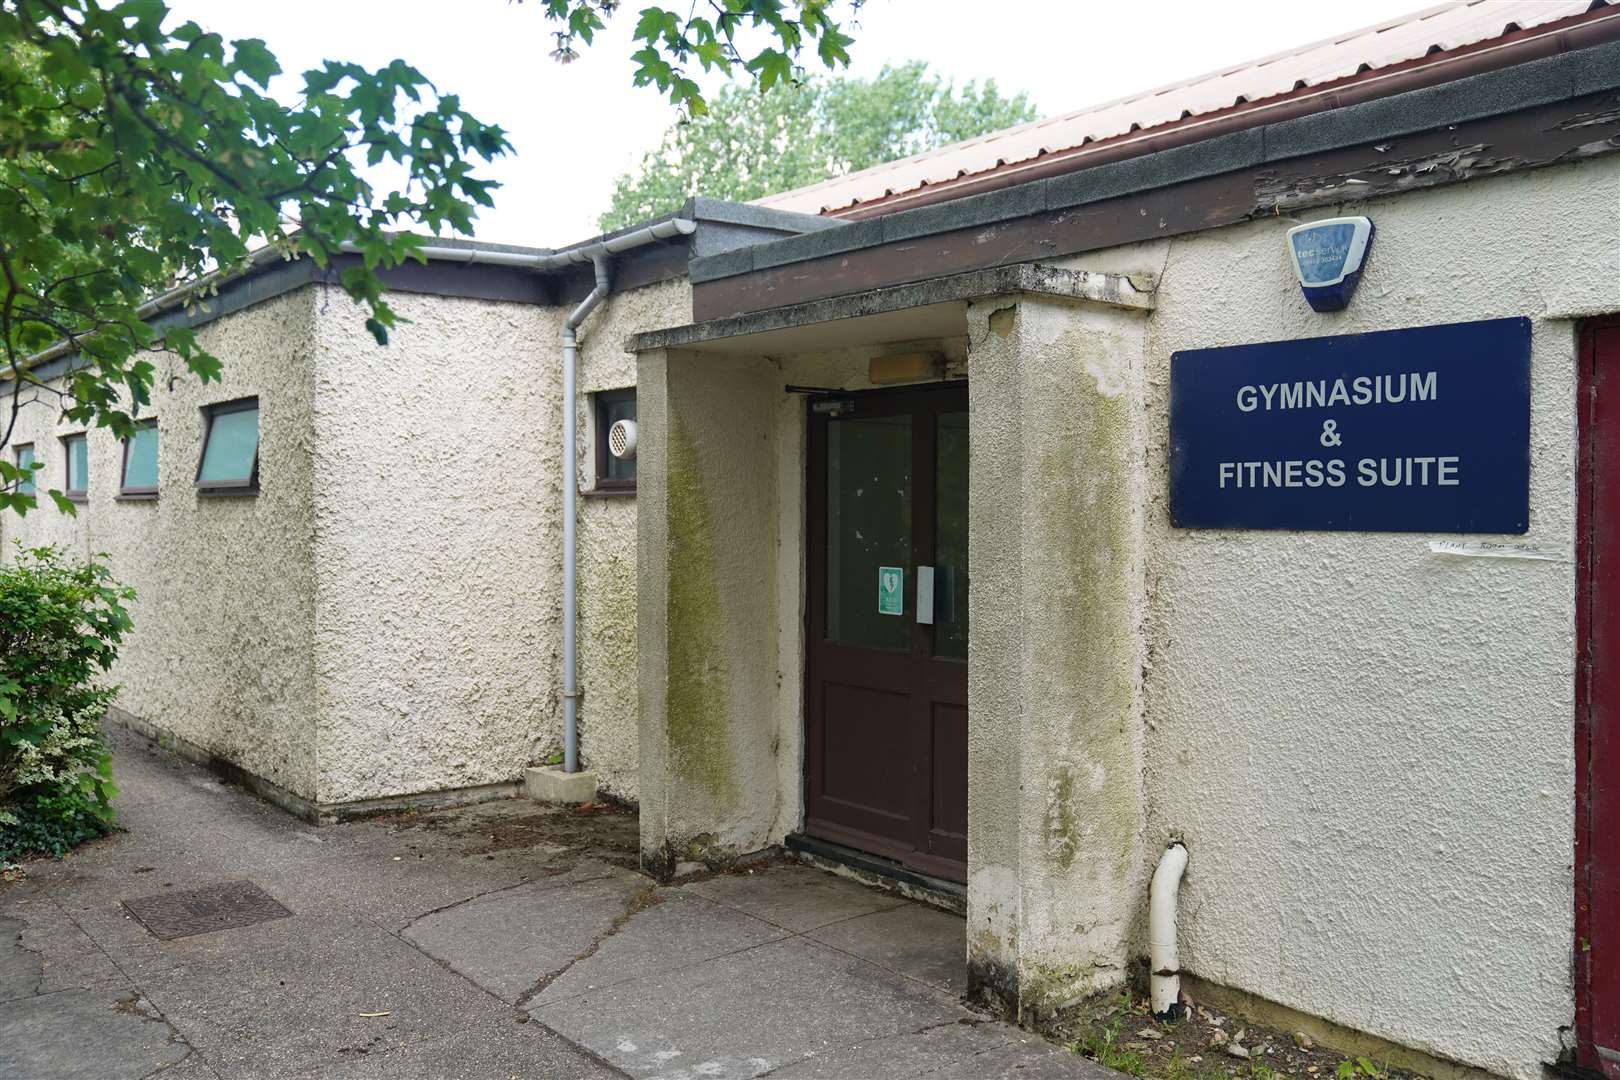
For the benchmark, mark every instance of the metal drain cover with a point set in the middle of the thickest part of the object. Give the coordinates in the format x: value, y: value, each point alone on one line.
x: 199, y: 911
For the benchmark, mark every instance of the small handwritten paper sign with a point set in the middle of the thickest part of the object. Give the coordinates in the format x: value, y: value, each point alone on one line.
x: 1490, y: 549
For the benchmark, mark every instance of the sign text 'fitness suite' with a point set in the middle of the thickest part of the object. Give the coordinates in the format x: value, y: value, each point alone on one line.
x: 1418, y: 430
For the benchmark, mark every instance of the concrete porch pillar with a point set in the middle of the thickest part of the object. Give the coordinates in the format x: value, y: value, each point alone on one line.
x: 707, y: 603
x: 1055, y: 803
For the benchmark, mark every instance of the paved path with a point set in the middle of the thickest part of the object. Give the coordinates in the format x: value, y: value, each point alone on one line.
x: 506, y: 940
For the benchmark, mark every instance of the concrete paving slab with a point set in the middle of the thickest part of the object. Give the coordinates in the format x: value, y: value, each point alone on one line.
x: 966, y: 1050
x: 509, y: 942
x: 21, y: 970
x: 708, y: 979
x: 93, y: 1034
x: 71, y: 960
x: 294, y: 994
x: 678, y: 931
x: 918, y: 942
x: 745, y: 1014
x: 192, y: 1067
x: 1031, y: 1058
x: 911, y: 1053
x: 796, y: 898
x: 193, y: 830
x: 501, y: 1050
x: 403, y: 867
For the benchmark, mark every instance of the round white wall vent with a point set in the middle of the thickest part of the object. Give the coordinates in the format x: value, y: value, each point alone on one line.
x: 621, y: 439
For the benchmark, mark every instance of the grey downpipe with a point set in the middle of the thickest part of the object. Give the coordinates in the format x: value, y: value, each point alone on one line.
x: 597, y: 255
x: 570, y: 361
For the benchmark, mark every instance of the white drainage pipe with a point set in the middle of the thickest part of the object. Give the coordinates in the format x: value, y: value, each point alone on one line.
x: 1163, y: 954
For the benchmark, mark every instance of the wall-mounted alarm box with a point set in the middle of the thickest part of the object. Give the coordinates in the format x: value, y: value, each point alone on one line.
x: 1328, y: 256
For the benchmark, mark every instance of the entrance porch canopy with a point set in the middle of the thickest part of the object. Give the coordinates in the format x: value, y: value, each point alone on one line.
x: 1053, y: 359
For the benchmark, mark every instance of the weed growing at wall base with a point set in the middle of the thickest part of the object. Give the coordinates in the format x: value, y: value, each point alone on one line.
x: 61, y: 622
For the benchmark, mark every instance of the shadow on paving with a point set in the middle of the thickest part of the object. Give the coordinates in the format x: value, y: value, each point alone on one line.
x: 502, y: 940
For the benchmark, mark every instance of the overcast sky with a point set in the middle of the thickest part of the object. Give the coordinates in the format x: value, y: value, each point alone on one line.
x: 576, y: 127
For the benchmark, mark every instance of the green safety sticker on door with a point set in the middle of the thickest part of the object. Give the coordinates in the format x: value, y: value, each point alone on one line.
x: 891, y: 590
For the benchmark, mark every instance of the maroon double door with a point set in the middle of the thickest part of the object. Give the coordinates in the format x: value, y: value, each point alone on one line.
x: 886, y: 657
x: 1597, y: 726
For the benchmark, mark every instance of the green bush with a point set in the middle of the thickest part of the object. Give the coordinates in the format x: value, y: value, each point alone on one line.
x: 61, y: 622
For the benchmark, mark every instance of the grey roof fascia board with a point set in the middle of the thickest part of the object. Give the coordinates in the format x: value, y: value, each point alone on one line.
x: 1179, y: 164
x: 50, y: 369
x: 1477, y: 97
x: 243, y: 292
x: 725, y: 264
x: 1020, y: 200
x: 849, y: 236
x: 464, y: 244
x: 265, y: 283
x: 700, y: 208
x: 1591, y: 70
x: 1114, y: 290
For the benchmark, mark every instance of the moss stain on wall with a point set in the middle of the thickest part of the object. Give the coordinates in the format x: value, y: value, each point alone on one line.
x: 1092, y: 800
x: 699, y: 744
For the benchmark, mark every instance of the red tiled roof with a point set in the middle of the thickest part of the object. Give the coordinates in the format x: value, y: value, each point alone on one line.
x: 1428, y: 38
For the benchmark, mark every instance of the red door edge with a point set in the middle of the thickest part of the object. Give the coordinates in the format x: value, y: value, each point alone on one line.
x: 1586, y: 478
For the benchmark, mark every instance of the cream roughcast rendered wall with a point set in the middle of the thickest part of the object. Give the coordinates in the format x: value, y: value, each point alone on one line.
x: 382, y: 618
x: 1400, y: 721
x: 219, y: 578
x: 438, y: 540
x: 1367, y: 747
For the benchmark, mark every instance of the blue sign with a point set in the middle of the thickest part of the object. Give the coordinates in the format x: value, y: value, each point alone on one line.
x: 1419, y: 430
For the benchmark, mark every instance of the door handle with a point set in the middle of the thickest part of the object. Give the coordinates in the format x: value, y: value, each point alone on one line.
x: 925, y: 595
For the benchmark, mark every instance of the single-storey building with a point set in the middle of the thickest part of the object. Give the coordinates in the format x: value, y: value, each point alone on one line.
x: 1224, y: 467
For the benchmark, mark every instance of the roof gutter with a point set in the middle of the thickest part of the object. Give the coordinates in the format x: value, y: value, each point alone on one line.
x: 1596, y: 27
x: 177, y: 296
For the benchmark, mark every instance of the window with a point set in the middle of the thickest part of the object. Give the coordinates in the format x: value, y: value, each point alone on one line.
x: 140, y: 477
x: 230, y: 453
x: 25, y: 461
x: 76, y: 451
x: 614, y: 473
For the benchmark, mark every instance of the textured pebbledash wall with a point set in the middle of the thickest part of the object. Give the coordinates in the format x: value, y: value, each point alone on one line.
x: 221, y: 655
x: 1368, y: 747
x: 384, y: 617
x: 437, y: 493
x: 435, y: 624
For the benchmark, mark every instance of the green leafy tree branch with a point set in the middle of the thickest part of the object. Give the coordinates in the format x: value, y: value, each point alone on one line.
x: 749, y: 144
x: 135, y: 157
x: 763, y: 38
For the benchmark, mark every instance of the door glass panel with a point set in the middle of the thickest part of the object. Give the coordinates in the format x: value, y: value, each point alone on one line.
x: 868, y: 527
x: 951, y: 538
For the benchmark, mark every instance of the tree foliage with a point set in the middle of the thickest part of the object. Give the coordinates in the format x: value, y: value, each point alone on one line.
x: 137, y: 155
x: 750, y: 144
x: 763, y: 39
x: 134, y: 156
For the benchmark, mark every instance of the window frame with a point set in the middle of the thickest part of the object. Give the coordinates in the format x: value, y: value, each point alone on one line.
x: 125, y: 492
x: 32, y: 482
x: 70, y: 492
x: 249, y: 486
x: 601, y: 400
